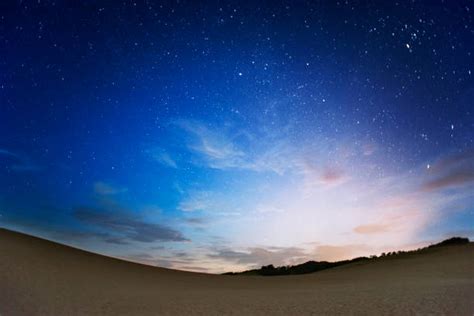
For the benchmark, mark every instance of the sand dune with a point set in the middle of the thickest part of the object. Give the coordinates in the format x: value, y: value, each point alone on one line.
x: 38, y: 277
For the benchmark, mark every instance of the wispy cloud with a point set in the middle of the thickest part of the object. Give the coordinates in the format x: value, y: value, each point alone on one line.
x: 163, y: 157
x: 454, y: 160
x: 53, y: 228
x: 217, y: 150
x: 452, y: 171
x: 104, y: 188
x: 18, y: 162
x: 7, y: 153
x: 196, y: 221
x: 197, y: 201
x: 316, y: 176
x: 262, y: 151
x: 332, y: 176
x: 214, y: 203
x: 129, y: 227
x: 256, y: 256
x: 372, y: 228
x: 451, y: 179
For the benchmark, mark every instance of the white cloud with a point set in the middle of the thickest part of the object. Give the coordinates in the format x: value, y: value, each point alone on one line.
x: 163, y: 157
x: 216, y: 149
x: 197, y: 201
x: 219, y: 149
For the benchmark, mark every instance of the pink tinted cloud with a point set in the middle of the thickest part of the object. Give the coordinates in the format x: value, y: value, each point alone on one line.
x: 368, y: 149
x: 332, y: 176
x: 372, y: 229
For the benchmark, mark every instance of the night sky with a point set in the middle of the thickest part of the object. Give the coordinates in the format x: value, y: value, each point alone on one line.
x: 221, y: 136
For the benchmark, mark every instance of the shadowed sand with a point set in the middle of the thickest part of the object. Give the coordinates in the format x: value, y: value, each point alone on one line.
x: 38, y: 277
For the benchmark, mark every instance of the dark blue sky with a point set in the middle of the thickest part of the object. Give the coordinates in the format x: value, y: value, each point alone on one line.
x: 223, y: 135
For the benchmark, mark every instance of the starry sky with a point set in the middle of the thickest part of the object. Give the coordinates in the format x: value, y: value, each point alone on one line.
x: 219, y: 136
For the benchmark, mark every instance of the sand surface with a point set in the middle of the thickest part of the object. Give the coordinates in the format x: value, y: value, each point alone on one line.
x: 38, y: 277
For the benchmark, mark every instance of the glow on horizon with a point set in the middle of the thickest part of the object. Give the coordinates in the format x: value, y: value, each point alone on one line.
x: 283, y: 201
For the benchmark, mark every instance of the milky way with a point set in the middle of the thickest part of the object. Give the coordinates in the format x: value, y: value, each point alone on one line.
x: 223, y: 136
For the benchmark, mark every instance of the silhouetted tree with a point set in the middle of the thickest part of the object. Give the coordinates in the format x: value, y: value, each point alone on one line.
x: 314, y: 266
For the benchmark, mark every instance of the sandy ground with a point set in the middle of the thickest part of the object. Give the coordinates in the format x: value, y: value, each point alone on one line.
x: 38, y: 277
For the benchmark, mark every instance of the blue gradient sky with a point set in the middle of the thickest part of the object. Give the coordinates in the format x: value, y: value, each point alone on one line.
x: 223, y: 136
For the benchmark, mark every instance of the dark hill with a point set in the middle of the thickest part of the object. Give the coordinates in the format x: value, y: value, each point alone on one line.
x: 315, y: 266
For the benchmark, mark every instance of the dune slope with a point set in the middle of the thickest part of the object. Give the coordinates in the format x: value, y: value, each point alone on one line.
x: 38, y: 277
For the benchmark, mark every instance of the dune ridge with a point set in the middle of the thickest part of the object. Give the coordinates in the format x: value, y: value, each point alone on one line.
x: 39, y: 277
